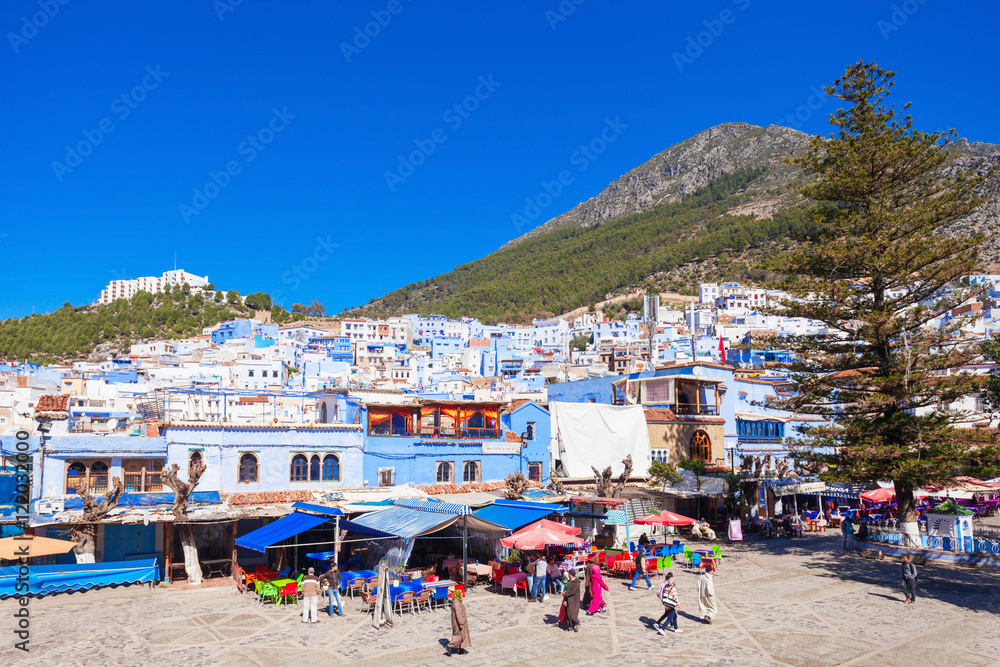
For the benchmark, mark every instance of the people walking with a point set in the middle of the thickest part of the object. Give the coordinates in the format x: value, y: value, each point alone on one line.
x: 671, y: 605
x: 909, y: 580
x: 641, y: 569
x: 569, y: 612
x: 597, y: 587
x: 706, y: 595
x: 460, y: 638
x: 310, y: 597
x: 332, y: 581
x: 847, y: 528
x: 541, y: 578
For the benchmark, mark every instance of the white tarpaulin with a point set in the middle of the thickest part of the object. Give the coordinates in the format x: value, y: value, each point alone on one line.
x: 592, y: 434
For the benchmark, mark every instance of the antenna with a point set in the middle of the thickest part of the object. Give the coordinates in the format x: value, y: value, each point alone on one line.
x: 175, y: 260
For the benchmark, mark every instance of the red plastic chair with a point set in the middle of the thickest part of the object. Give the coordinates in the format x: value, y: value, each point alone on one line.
x: 289, y: 591
x: 520, y: 583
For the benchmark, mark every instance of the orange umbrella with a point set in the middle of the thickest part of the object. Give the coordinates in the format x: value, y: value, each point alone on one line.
x: 666, y: 518
x: 12, y: 548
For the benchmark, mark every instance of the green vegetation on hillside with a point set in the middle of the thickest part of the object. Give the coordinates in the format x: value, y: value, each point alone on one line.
x: 73, y: 332
x: 570, y: 267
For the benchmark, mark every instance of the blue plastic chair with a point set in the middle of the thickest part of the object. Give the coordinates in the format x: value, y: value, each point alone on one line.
x: 696, y: 560
x: 631, y: 547
x: 284, y: 573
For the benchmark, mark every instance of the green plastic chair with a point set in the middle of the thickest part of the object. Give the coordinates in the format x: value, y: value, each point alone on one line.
x: 668, y: 561
x: 717, y: 550
x: 269, y: 591
x: 299, y: 579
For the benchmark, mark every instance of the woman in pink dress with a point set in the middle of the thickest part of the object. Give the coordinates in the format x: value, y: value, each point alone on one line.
x: 597, y: 587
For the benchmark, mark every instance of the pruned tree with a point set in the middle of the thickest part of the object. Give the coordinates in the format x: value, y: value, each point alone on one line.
x: 605, y: 487
x: 517, y: 484
x: 883, y: 271
x: 85, y: 534
x: 182, y: 491
x: 556, y: 485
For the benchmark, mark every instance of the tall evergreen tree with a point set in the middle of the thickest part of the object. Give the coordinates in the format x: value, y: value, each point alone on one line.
x: 883, y: 276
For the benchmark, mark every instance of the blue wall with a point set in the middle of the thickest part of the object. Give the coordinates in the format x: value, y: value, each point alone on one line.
x: 415, y: 459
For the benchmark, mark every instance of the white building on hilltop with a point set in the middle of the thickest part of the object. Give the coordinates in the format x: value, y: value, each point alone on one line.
x: 126, y: 289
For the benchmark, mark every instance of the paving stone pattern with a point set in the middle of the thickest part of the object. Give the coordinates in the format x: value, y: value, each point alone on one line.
x: 782, y: 602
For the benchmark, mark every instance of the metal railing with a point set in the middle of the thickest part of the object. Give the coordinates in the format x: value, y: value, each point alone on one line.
x: 979, y: 545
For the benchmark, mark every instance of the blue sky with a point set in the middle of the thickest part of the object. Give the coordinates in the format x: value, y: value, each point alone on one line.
x: 252, y: 138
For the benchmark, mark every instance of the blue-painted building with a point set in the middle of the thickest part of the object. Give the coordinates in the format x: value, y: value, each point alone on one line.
x: 452, y: 442
x: 337, y: 348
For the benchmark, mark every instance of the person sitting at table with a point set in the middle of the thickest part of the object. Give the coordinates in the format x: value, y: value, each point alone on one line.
x: 643, y: 540
x: 554, y: 575
x: 705, y: 531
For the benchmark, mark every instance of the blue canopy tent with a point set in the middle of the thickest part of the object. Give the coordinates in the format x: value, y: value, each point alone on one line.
x: 46, y: 579
x: 513, y: 514
x: 410, y: 519
x: 305, y: 517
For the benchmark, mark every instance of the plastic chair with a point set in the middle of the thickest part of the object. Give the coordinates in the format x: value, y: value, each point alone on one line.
x: 269, y: 591
x: 521, y: 583
x: 289, y: 591
x: 299, y: 578
x: 284, y: 573
x: 695, y: 560
x: 668, y: 561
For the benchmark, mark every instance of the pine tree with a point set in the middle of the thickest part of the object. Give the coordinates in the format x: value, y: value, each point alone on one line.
x: 880, y: 273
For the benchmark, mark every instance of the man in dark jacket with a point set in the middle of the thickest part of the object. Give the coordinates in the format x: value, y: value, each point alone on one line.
x: 909, y: 581
x: 571, y: 601
x: 332, y: 580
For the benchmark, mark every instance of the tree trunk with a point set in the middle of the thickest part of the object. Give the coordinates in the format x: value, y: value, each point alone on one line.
x: 907, y: 515
x: 86, y: 544
x: 191, y: 564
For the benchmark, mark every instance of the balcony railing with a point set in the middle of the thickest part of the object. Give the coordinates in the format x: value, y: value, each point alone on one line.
x: 692, y: 409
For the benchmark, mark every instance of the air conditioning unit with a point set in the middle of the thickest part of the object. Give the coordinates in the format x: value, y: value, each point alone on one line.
x: 50, y: 506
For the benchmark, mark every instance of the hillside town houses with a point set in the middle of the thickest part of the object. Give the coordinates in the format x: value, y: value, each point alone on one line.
x: 338, y: 407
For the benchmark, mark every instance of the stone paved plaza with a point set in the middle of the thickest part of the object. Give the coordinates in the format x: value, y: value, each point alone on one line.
x: 794, y: 602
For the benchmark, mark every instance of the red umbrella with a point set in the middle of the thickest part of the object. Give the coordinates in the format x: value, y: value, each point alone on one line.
x: 887, y: 495
x: 879, y: 495
x: 555, y: 525
x: 536, y: 537
x: 666, y: 518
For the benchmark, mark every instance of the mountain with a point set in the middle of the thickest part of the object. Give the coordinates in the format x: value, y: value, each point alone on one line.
x: 704, y: 209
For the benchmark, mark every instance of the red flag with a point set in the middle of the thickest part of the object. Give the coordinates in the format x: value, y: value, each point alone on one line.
x: 722, y: 350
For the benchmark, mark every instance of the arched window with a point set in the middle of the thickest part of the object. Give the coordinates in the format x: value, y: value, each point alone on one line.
x: 470, y: 472
x: 99, y: 477
x: 300, y: 468
x: 314, y: 468
x: 701, y: 446
x: 444, y: 473
x: 193, y: 458
x: 249, y: 374
x: 331, y: 468
x: 248, y: 469
x: 76, y: 477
